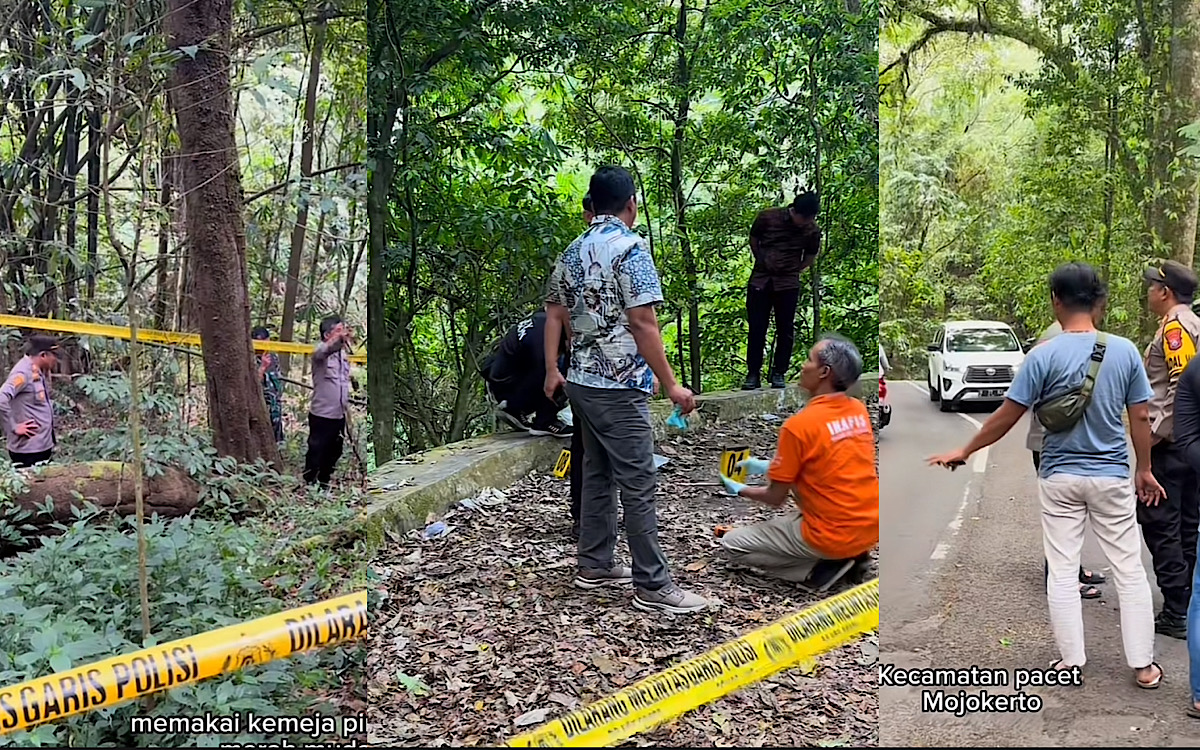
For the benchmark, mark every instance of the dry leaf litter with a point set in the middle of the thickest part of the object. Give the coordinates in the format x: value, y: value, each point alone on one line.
x: 483, y: 637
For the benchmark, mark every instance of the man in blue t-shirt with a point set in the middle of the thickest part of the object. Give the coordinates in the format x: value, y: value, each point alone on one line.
x: 1084, y: 472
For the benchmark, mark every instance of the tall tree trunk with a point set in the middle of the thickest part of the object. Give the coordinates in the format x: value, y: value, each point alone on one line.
x: 815, y: 269
x: 93, y: 201
x: 1112, y: 145
x: 1182, y: 202
x: 162, y: 290
x: 312, y: 289
x: 682, y: 105
x: 202, y: 100
x: 381, y: 367
x: 300, y: 229
x: 70, y: 267
x: 683, y: 374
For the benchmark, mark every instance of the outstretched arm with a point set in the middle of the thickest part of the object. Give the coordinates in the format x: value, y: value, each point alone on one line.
x: 996, y: 427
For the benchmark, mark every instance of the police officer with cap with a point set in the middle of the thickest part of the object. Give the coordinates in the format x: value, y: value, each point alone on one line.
x: 26, y: 409
x: 1170, y: 527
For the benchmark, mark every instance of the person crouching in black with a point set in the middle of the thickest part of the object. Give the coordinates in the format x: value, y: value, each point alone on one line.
x: 515, y: 374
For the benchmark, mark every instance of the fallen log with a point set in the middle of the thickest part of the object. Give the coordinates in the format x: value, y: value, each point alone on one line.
x: 107, y: 485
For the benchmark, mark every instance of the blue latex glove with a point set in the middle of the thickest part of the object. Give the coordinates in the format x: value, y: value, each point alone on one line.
x: 676, y: 420
x: 732, y: 487
x: 755, y: 467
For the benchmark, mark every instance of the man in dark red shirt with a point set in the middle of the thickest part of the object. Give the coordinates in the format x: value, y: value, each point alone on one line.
x: 784, y: 241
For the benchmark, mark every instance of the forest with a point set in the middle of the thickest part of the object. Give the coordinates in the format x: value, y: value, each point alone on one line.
x: 183, y: 166
x: 486, y: 120
x: 1017, y: 136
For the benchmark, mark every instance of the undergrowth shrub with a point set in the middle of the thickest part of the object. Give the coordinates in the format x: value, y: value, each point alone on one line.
x: 75, y: 599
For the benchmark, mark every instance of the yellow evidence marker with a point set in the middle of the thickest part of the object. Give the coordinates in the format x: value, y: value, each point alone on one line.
x: 729, y: 462
x: 564, y: 464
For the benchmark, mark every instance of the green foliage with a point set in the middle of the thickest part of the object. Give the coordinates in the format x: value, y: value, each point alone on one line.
x: 1052, y: 138
x: 73, y: 598
x: 486, y: 124
x: 14, y: 519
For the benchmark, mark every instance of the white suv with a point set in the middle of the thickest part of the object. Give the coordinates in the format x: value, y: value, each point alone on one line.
x: 972, y: 360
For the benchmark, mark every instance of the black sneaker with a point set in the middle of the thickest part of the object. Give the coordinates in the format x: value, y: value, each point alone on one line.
x: 826, y: 573
x: 752, y: 383
x: 1171, y: 625
x: 518, y: 422
x: 777, y: 381
x: 557, y: 428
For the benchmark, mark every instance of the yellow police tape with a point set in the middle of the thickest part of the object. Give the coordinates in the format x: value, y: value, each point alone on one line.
x: 181, y: 662
x: 170, y: 338
x: 728, y: 667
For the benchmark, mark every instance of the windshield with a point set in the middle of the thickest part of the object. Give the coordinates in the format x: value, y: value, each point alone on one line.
x: 982, y: 340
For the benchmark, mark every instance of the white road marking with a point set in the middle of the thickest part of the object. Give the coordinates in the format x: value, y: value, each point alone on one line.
x: 922, y: 388
x: 972, y: 420
x: 979, y: 466
x: 943, y: 547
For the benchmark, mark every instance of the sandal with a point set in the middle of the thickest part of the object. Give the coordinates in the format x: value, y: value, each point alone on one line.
x: 1089, y: 592
x: 1090, y: 578
x: 1193, y: 711
x: 1056, y: 664
x: 1155, y: 683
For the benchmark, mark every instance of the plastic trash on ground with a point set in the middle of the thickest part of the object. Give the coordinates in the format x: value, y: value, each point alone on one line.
x: 489, y: 497
x: 436, y: 529
x: 660, y: 461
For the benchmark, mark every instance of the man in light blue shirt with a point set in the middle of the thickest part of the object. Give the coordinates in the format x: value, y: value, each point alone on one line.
x: 1084, y: 472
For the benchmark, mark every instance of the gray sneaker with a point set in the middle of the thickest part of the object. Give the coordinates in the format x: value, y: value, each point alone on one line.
x: 592, y: 578
x: 669, y: 598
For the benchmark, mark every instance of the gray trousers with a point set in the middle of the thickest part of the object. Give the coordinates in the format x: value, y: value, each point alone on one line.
x: 618, y: 451
x: 776, y: 547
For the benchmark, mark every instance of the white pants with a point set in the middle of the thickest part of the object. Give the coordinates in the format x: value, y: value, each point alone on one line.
x: 1068, y: 502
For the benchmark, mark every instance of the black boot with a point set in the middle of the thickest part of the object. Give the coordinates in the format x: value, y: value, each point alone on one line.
x: 752, y: 383
x: 1170, y: 624
x: 777, y: 381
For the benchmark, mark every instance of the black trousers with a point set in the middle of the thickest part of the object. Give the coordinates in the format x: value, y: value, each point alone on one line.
x: 325, y: 443
x: 760, y: 303
x: 25, y: 460
x: 526, y: 394
x: 1171, y: 527
x: 576, y: 472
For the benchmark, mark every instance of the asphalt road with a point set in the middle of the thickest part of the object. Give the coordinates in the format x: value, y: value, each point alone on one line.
x: 917, y: 507
x: 961, y: 585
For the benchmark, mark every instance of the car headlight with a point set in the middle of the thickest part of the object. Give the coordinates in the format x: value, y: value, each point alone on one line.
x: 951, y: 368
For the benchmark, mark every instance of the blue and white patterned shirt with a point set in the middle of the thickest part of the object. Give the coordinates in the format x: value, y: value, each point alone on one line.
x: 604, y: 272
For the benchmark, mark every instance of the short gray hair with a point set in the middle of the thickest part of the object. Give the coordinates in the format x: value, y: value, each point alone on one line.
x: 841, y: 356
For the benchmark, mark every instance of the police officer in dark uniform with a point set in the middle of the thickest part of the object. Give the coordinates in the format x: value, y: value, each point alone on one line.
x: 515, y: 374
x: 1171, y: 526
